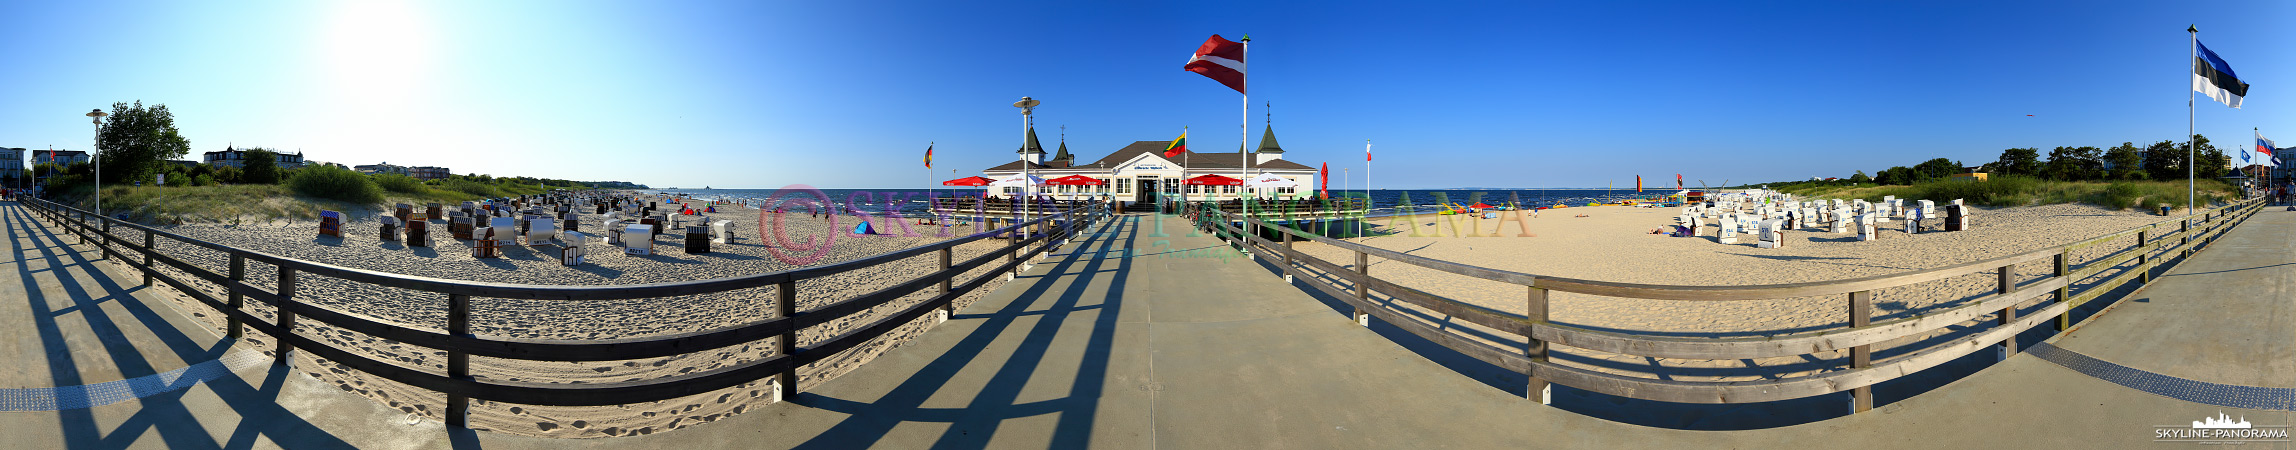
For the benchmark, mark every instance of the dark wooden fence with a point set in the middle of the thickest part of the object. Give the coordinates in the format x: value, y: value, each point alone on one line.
x: 460, y: 344
x: 1354, y: 284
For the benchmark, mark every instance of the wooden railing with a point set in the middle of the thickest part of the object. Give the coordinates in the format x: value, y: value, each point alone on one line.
x: 459, y: 344
x: 1355, y: 285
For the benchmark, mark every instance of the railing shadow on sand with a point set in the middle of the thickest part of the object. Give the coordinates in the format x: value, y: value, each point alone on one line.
x: 1478, y: 340
x: 459, y: 344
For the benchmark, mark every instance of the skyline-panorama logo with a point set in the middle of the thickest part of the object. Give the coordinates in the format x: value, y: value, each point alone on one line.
x: 2221, y: 429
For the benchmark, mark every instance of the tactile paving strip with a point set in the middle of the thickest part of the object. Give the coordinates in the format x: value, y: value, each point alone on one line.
x: 100, y: 394
x: 2226, y: 395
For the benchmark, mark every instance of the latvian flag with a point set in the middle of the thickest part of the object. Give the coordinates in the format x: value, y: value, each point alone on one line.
x: 1221, y: 60
x: 2213, y: 78
x: 2264, y: 147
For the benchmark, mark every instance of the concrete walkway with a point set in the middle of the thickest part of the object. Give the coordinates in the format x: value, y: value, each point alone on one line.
x: 1147, y: 338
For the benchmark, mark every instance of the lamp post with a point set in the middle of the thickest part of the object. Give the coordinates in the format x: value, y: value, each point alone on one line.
x: 1027, y: 106
x: 96, y: 116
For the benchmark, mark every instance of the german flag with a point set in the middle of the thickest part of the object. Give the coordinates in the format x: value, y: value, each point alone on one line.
x: 928, y: 156
x: 1178, y: 146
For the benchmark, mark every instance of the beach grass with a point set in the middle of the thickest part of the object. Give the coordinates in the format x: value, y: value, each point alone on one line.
x: 2027, y: 191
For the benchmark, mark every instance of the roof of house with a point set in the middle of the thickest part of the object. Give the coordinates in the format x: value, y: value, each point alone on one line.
x: 1030, y: 145
x: 1192, y: 160
x: 1268, y: 141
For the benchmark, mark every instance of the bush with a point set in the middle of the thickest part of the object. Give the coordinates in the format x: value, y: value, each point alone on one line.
x: 203, y: 180
x: 399, y: 183
x: 471, y: 187
x: 336, y: 183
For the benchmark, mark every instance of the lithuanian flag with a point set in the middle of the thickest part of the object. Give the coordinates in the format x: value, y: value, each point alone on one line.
x: 1178, y: 146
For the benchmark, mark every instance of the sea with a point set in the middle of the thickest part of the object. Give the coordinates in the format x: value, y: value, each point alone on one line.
x: 1385, y: 202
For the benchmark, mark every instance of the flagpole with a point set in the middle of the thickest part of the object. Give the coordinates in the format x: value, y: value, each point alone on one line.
x: 2190, y: 123
x: 1366, y: 188
x: 1245, y: 133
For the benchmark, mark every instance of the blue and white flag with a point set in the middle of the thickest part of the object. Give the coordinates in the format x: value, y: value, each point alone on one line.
x: 2212, y: 77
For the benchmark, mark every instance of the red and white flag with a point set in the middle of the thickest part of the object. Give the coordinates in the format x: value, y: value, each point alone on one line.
x: 1221, y: 60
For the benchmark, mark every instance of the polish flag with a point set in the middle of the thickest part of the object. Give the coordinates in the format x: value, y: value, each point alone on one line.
x: 1221, y: 60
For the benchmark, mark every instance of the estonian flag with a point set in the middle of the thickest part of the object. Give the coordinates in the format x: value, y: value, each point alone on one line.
x: 2213, y: 78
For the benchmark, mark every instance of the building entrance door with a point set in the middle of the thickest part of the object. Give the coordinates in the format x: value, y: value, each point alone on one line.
x: 1146, y: 191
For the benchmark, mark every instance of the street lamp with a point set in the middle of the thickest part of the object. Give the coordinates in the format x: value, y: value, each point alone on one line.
x: 1027, y: 106
x: 96, y: 116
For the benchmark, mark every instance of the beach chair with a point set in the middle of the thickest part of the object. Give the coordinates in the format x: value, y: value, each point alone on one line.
x: 1865, y: 227
x: 1773, y: 234
x: 637, y: 239
x: 1728, y: 231
x: 505, y: 231
x: 1957, y: 217
x: 418, y: 233
x: 485, y: 245
x: 433, y: 210
x: 721, y: 231
x: 613, y: 229
x: 1840, y: 218
x: 402, y: 211
x: 540, y: 230
x: 330, y: 223
x: 390, y: 230
x: 571, y: 248
x: 697, y: 240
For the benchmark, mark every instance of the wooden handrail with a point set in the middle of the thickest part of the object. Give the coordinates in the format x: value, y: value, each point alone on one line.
x: 460, y: 345
x: 2200, y: 229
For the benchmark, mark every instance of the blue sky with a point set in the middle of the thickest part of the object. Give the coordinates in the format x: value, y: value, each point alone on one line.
x: 848, y: 94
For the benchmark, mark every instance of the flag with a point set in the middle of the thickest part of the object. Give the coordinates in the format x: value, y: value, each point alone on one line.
x: 928, y: 156
x: 1221, y: 60
x: 1323, y: 183
x: 1367, y: 152
x: 1178, y: 146
x: 1638, y: 184
x: 2263, y: 147
x: 1678, y: 182
x: 2212, y: 77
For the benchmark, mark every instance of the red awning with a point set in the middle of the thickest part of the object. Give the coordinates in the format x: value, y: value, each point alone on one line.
x: 1480, y: 205
x: 1075, y: 180
x: 968, y: 181
x: 1214, y: 180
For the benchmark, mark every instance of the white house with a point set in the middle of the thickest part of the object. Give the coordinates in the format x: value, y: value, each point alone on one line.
x: 1139, y: 172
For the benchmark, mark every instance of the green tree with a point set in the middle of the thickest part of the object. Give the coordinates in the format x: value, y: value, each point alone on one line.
x: 2075, y: 164
x: 1860, y: 177
x: 1935, y: 168
x: 262, y: 167
x: 2164, y: 160
x: 2018, y: 161
x: 134, y: 140
x: 2127, y: 162
x: 1899, y: 175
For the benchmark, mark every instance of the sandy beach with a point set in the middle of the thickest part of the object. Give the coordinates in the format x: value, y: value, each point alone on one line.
x: 578, y: 320
x: 1613, y: 243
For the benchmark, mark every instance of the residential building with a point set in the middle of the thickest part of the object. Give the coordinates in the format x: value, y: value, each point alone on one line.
x: 383, y: 168
x: 12, y: 172
x: 64, y: 157
x: 233, y: 157
x: 429, y: 172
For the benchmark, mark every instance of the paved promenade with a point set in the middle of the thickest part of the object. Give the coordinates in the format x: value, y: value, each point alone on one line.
x: 1143, y: 336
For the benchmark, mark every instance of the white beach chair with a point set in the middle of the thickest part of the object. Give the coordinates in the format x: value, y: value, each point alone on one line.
x: 613, y: 229
x: 721, y: 231
x: 1773, y: 234
x: 505, y: 231
x: 637, y: 239
x: 1727, y: 232
x: 540, y: 230
x: 1865, y: 227
x: 571, y: 248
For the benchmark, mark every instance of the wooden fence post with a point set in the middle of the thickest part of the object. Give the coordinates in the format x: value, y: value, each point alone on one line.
x: 147, y: 258
x: 1287, y: 253
x: 238, y: 273
x: 1861, y: 314
x: 1362, y: 288
x: 2065, y: 292
x: 950, y: 309
x: 457, y: 362
x: 2144, y: 258
x: 785, y: 383
x: 1536, y: 311
x: 2006, y: 278
x: 286, y: 318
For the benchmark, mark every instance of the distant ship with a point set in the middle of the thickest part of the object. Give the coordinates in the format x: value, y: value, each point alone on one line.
x: 705, y: 187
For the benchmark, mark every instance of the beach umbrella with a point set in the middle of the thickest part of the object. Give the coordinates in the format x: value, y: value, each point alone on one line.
x: 1271, y: 180
x: 968, y: 181
x: 1480, y: 205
